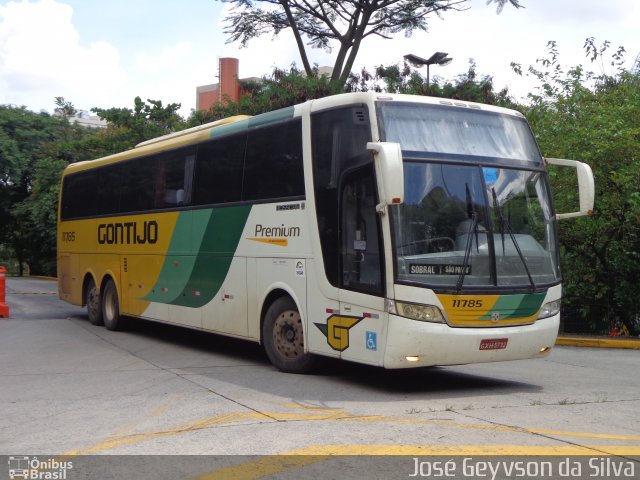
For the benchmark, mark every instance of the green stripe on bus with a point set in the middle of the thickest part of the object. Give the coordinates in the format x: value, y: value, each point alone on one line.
x: 271, y: 117
x: 517, y: 306
x: 178, y: 265
x: 253, y: 122
x: 229, y: 129
x: 217, y: 233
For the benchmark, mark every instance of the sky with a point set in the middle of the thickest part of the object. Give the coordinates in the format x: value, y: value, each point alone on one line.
x: 98, y: 53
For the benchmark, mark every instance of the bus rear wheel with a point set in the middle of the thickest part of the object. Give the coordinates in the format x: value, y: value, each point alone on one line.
x: 283, y: 337
x: 111, y: 307
x: 94, y: 309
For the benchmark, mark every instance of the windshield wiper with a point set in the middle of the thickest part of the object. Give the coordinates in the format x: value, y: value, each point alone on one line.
x: 504, y: 223
x: 473, y: 229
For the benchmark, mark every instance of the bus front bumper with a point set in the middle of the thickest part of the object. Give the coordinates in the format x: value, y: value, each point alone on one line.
x: 412, y: 343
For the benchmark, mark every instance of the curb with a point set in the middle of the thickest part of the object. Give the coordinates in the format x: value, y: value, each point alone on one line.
x: 599, y: 342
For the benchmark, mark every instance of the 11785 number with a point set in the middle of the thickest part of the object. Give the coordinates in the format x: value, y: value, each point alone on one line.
x: 464, y: 303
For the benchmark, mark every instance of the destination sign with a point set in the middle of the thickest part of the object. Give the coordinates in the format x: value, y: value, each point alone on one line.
x: 439, y: 269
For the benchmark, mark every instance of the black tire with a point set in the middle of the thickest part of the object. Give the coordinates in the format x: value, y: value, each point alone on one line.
x: 111, y: 307
x: 283, y: 338
x: 94, y: 308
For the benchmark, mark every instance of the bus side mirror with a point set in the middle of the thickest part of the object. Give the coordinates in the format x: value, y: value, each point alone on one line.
x: 586, y: 187
x: 389, y: 172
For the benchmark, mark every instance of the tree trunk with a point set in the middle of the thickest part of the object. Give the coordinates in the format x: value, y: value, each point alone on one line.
x: 298, y: 37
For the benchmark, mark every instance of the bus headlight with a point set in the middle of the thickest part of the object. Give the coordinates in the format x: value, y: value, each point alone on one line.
x: 549, y: 309
x: 414, y: 311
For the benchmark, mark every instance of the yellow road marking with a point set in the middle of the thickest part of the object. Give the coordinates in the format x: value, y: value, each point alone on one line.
x: 321, y: 414
x: 298, y: 406
x: 506, y: 428
x: 111, y: 443
x: 152, y: 413
x: 615, y: 342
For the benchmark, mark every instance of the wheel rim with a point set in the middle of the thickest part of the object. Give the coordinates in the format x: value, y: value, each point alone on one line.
x: 288, y: 335
x: 109, y: 308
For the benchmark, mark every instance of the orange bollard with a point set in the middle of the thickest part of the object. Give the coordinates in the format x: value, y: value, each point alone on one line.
x: 4, y: 308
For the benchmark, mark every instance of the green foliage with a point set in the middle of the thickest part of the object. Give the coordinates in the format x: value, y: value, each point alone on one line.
x: 34, y: 150
x: 128, y: 127
x: 64, y: 108
x: 37, y: 216
x: 283, y: 88
x: 594, y: 118
x: 468, y: 86
x: 24, y: 136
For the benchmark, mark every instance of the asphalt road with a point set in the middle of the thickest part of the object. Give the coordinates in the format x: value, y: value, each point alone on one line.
x: 70, y: 388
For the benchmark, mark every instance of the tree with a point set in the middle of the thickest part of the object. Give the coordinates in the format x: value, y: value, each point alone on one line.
x: 34, y: 149
x: 143, y: 122
x: 593, y: 118
x: 468, y: 86
x: 37, y: 216
x: 64, y: 107
x: 325, y: 23
x: 281, y: 89
x: 284, y: 88
x: 24, y: 137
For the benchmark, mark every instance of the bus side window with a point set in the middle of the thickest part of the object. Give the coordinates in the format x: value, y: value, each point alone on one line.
x: 79, y: 197
x: 218, y: 170
x: 173, y: 179
x: 273, y: 162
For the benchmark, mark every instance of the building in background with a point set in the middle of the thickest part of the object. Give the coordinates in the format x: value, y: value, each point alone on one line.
x: 226, y: 90
x: 83, y: 118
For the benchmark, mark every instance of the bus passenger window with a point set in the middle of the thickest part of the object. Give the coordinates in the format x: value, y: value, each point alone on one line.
x: 173, y: 179
x: 273, y: 162
x: 218, y: 176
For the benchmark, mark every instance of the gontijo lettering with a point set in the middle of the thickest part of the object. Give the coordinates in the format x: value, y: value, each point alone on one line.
x: 128, y: 233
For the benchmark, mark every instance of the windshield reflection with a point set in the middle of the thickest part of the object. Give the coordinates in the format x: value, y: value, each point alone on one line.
x: 458, y: 133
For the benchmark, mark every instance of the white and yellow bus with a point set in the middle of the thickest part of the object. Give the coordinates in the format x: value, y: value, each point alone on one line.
x: 390, y: 230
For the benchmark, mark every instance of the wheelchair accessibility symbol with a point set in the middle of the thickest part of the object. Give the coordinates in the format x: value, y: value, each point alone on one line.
x: 372, y: 341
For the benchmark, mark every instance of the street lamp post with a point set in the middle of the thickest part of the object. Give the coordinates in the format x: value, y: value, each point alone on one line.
x: 438, y: 58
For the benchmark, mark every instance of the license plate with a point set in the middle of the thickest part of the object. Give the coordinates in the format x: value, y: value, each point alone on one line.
x: 494, y: 343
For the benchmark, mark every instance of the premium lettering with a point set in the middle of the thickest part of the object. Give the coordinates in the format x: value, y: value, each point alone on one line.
x: 281, y: 231
x: 128, y: 233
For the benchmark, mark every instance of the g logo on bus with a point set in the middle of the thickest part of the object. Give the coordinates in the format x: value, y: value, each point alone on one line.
x: 337, y: 330
x: 495, y: 316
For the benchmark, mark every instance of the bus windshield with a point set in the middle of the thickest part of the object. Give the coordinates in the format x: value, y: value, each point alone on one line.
x: 458, y: 132
x: 477, y: 210
x: 471, y: 226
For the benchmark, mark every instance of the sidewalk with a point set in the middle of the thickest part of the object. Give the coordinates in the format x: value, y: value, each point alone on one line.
x: 576, y: 340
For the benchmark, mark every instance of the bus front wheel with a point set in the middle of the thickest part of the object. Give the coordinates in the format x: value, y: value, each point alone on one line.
x: 283, y: 337
x: 94, y: 309
x: 111, y: 307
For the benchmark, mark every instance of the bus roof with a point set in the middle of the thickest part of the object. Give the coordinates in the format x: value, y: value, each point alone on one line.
x: 238, y: 123
x: 199, y: 128
x: 371, y: 97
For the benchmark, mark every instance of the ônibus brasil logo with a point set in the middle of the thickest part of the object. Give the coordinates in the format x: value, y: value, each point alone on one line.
x: 22, y: 467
